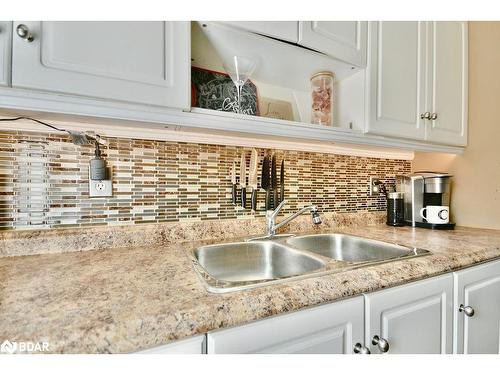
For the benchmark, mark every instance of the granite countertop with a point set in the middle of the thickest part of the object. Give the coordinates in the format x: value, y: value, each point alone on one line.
x: 128, y: 299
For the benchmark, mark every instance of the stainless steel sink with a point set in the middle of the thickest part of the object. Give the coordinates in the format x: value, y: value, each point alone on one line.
x: 247, y: 264
x: 242, y: 263
x: 348, y: 248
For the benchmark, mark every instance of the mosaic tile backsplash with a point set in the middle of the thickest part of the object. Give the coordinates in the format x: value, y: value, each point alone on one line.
x: 44, y: 181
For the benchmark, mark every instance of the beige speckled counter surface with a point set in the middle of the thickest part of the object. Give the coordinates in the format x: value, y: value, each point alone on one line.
x: 127, y: 299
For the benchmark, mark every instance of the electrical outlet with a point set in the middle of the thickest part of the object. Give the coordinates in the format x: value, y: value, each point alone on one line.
x: 374, y: 186
x: 100, y: 188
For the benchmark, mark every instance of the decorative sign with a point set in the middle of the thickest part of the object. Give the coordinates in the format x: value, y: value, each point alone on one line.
x: 278, y: 109
x: 216, y: 90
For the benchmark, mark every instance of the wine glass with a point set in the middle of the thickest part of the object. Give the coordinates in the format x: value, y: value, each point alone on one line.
x: 239, y: 68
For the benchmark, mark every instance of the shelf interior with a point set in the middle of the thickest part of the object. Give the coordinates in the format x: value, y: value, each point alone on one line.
x: 283, y: 71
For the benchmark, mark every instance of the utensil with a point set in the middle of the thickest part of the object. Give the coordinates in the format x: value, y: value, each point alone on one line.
x: 243, y: 179
x: 239, y: 69
x: 265, y: 181
x: 282, y: 181
x: 274, y: 182
x: 252, y: 179
x: 233, y: 182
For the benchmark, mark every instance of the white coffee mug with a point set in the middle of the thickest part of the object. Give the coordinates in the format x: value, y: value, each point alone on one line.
x: 436, y: 214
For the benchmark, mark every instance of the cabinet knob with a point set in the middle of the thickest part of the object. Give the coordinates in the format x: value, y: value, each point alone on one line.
x: 383, y: 344
x: 426, y: 115
x: 24, y: 33
x: 467, y: 310
x: 360, y: 349
x: 434, y: 116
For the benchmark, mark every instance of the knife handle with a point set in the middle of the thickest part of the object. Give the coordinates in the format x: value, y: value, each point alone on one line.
x: 243, y: 197
x: 275, y: 199
x: 268, y: 198
x: 282, y: 193
x: 233, y: 193
x: 254, y: 200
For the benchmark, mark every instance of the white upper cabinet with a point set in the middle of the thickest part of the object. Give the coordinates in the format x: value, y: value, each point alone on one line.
x: 417, y: 81
x: 396, y: 79
x: 447, y: 95
x: 284, y: 30
x: 344, y: 40
x: 329, y: 329
x: 5, y: 52
x: 139, y: 62
x: 477, y: 310
x: 411, y: 319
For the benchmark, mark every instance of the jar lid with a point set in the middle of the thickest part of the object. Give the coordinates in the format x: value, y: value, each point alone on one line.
x: 396, y: 195
x: 324, y: 73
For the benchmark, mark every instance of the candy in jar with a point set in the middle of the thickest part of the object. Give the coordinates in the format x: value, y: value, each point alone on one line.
x: 322, y: 98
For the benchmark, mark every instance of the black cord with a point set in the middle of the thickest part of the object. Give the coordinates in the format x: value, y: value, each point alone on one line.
x: 32, y: 119
x: 50, y: 126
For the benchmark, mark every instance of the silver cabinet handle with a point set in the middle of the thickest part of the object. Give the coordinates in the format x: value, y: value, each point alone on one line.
x: 360, y: 349
x: 467, y: 310
x: 383, y: 344
x: 434, y: 116
x: 24, y: 33
x: 426, y: 115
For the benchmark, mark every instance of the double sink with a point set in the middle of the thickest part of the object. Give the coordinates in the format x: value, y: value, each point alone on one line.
x: 242, y: 265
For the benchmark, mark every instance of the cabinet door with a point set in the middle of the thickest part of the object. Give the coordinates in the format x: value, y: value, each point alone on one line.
x: 284, y: 30
x: 141, y: 62
x: 5, y: 50
x: 344, y: 40
x: 396, y: 79
x: 191, y: 345
x: 334, y: 328
x: 479, y: 288
x: 447, y: 91
x: 414, y: 318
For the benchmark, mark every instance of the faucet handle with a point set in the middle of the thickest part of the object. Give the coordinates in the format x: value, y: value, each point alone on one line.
x: 280, y: 206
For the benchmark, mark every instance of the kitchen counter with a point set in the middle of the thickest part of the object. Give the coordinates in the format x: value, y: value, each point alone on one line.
x: 133, y: 298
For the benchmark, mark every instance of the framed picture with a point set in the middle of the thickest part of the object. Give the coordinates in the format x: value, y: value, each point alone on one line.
x: 215, y: 90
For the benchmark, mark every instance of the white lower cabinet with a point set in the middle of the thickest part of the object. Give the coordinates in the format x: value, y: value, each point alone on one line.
x: 477, y: 309
x: 411, y: 319
x: 328, y: 329
x: 454, y: 313
x: 191, y: 345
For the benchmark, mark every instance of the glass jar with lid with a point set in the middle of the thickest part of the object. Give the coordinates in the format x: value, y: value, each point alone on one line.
x: 322, y: 98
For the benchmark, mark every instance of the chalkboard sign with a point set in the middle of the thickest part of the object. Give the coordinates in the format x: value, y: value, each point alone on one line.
x: 216, y: 90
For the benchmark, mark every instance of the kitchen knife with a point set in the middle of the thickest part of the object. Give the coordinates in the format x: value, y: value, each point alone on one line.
x: 243, y: 179
x: 233, y: 182
x: 252, y: 178
x: 282, y: 181
x: 265, y: 182
x: 274, y: 182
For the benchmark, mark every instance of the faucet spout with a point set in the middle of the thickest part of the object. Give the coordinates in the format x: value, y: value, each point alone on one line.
x: 272, y: 227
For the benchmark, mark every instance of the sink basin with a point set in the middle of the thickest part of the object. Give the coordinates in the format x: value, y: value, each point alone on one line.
x: 229, y: 267
x: 351, y: 248
x: 242, y: 262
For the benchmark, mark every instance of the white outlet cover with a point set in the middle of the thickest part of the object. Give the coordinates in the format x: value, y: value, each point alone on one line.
x: 100, y: 188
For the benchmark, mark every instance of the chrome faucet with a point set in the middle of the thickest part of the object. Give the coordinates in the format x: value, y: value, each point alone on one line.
x: 272, y: 227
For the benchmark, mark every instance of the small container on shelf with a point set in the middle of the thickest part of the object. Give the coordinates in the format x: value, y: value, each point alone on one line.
x: 322, y: 98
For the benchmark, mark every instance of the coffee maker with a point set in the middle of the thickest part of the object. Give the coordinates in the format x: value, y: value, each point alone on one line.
x: 422, y: 189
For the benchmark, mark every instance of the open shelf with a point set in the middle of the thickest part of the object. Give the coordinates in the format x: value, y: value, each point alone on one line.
x: 283, y: 71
